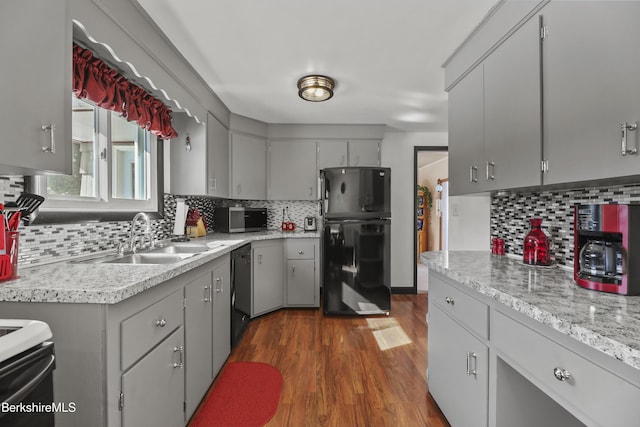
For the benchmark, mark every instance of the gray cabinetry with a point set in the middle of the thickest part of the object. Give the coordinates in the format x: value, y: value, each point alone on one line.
x: 248, y: 166
x: 364, y: 152
x: 458, y: 365
x: 267, y: 276
x: 36, y: 57
x: 302, y: 286
x: 332, y: 153
x: 153, y: 389
x: 458, y: 371
x: 217, y: 158
x: 590, y: 87
x: 207, y: 323
x: 466, y: 133
x: 292, y: 170
x: 512, y: 126
x: 199, y: 166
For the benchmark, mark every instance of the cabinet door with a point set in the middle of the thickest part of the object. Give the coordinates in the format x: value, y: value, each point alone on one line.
x: 248, y: 167
x: 590, y: 70
x: 153, y: 389
x: 301, y: 283
x: 188, y: 168
x: 217, y: 158
x: 197, y: 318
x: 268, y: 278
x: 512, y: 126
x: 332, y: 153
x: 221, y: 313
x: 364, y: 152
x: 466, y: 133
x: 458, y: 369
x: 35, y: 44
x: 292, y: 170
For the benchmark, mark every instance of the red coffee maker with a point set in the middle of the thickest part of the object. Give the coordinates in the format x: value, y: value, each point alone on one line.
x: 606, y: 252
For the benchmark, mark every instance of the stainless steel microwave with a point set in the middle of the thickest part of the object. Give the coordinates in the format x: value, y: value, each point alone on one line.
x: 239, y: 220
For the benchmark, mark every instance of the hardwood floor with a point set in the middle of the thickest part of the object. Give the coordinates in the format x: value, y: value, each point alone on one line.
x: 336, y: 375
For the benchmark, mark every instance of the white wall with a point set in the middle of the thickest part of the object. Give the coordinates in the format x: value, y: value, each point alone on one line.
x: 469, y: 223
x: 397, y: 154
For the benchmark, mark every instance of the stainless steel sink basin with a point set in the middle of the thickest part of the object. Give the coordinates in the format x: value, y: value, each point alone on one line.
x: 181, y: 248
x: 149, y: 258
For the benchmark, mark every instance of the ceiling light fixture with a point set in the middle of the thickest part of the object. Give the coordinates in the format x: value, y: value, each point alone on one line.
x: 315, y: 88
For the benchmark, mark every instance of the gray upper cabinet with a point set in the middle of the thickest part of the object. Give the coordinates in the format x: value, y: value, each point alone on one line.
x: 248, y: 166
x: 332, y: 153
x: 512, y: 127
x: 364, y: 152
x: 292, y: 170
x: 466, y: 133
x: 217, y: 158
x: 591, y: 69
x: 199, y: 157
x: 36, y: 119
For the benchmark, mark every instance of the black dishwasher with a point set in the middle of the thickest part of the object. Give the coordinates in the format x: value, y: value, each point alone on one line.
x: 240, y: 292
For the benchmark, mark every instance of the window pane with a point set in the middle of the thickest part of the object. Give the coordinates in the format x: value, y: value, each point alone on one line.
x: 81, y: 182
x: 129, y: 160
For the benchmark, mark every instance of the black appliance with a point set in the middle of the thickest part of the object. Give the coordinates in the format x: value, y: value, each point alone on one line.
x: 26, y: 383
x: 356, y: 273
x: 240, y: 292
x: 237, y: 219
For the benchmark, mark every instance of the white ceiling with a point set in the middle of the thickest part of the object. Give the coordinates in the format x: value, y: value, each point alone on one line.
x: 385, y: 55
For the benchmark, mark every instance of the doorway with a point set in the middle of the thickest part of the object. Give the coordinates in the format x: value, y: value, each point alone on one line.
x: 431, y: 206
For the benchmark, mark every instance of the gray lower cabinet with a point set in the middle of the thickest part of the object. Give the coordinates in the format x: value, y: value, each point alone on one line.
x: 302, y: 286
x: 458, y: 370
x: 590, y: 89
x: 207, y: 322
x: 154, y: 386
x: 267, y: 276
x: 36, y: 124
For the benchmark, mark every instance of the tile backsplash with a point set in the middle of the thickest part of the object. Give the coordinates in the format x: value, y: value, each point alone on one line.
x: 510, y: 215
x: 45, y: 243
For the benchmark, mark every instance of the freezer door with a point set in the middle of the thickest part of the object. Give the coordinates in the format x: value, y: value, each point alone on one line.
x: 357, y: 192
x: 356, y: 267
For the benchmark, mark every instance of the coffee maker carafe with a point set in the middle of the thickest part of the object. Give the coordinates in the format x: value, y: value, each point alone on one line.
x: 606, y: 257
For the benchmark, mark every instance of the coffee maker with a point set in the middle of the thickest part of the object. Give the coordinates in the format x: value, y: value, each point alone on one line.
x: 607, y: 248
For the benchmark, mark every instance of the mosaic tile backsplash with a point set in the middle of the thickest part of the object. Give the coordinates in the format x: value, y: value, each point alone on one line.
x: 45, y: 243
x: 510, y: 215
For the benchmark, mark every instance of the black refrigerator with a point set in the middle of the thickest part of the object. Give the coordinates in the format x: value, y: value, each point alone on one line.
x: 356, y: 276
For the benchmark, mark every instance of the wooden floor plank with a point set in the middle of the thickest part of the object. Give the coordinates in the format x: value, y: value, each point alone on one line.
x: 336, y: 375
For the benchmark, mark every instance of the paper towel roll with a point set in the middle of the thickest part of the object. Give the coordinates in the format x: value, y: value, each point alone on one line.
x: 181, y: 217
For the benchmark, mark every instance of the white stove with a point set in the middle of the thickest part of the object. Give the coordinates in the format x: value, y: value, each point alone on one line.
x: 18, y: 335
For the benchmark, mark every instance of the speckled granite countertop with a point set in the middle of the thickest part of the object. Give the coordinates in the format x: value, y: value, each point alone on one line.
x: 71, y: 282
x: 607, y: 322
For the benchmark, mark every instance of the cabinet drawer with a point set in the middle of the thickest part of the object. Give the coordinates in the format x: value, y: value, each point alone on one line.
x: 466, y: 309
x: 300, y: 249
x: 140, y: 332
x: 591, y: 393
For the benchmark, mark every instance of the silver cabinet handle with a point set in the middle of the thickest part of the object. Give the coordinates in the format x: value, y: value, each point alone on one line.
x: 625, y: 127
x: 218, y: 285
x: 239, y: 187
x: 161, y: 323
x: 310, y: 191
x: 300, y: 252
x: 449, y: 300
x: 207, y: 293
x: 259, y: 258
x: 342, y: 160
x: 473, y: 174
x: 180, y: 351
x: 491, y: 167
x: 562, y: 374
x: 471, y: 367
x: 293, y: 270
x: 52, y: 138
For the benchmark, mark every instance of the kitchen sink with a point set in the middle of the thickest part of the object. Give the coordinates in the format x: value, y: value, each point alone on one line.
x: 149, y: 258
x: 181, y: 249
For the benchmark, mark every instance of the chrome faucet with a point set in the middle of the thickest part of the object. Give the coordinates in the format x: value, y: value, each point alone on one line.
x: 146, y: 231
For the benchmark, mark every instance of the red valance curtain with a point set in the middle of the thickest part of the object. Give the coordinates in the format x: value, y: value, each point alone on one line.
x: 101, y: 84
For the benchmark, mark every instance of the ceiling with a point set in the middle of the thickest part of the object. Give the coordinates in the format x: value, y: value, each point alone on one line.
x: 386, y: 56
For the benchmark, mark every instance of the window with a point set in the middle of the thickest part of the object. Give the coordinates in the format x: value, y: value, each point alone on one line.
x: 114, y: 166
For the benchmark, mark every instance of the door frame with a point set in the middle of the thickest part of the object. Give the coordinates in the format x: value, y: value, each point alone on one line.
x: 417, y: 149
